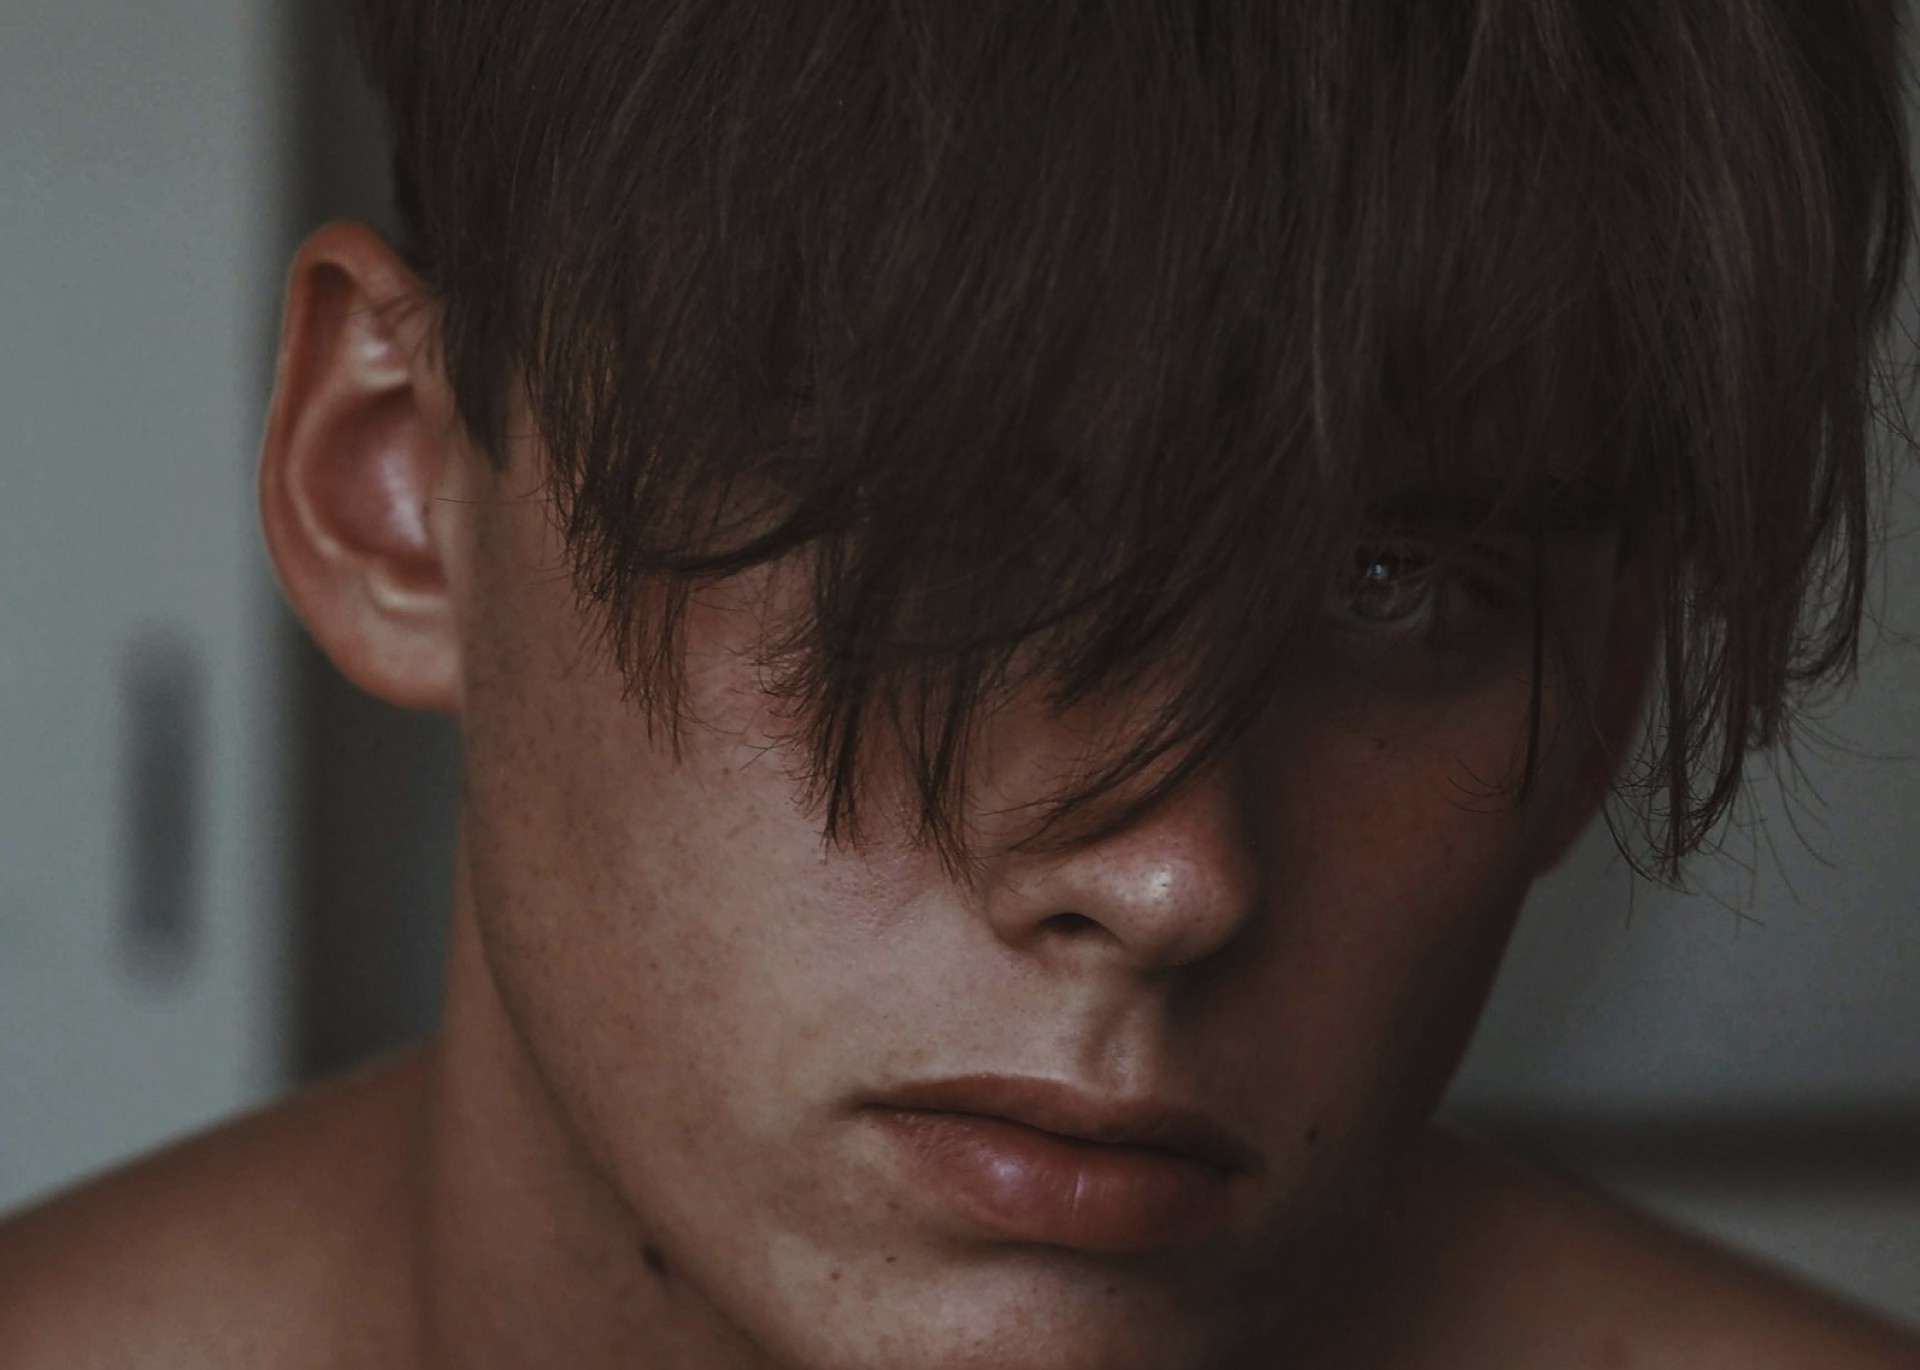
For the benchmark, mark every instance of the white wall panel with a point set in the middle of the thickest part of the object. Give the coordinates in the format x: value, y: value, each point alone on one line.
x: 139, y: 193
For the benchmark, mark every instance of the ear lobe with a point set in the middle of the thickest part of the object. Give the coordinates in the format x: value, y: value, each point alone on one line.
x: 361, y: 433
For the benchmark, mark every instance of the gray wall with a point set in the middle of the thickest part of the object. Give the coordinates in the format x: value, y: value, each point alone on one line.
x: 142, y: 151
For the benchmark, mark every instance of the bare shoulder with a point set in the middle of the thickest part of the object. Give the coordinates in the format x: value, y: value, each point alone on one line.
x: 226, y: 1249
x: 1523, y: 1268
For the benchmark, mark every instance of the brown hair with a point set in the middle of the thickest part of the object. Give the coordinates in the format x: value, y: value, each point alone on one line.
x: 1065, y: 339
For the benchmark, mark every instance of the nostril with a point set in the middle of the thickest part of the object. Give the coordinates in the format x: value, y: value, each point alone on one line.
x: 1071, y: 924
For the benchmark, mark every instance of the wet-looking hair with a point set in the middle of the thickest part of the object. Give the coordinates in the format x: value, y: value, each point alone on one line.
x: 1068, y: 342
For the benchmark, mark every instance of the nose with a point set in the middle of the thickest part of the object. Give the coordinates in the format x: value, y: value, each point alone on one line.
x: 1171, y: 889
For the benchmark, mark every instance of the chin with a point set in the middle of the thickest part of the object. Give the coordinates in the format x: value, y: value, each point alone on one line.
x: 1032, y: 1309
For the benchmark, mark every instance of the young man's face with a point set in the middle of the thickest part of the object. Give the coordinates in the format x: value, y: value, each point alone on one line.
x: 799, y: 1071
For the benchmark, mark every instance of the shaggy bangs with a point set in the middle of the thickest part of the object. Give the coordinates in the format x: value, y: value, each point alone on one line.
x: 1071, y: 346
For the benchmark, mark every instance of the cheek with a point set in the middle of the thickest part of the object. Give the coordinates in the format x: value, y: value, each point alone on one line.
x: 667, y: 932
x: 1420, y: 886
x: 604, y: 921
x: 1405, y: 859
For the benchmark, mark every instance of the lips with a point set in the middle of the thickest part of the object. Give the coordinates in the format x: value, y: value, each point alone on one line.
x: 1034, y: 1161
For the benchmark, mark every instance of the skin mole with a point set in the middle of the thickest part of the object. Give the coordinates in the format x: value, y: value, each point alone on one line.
x: 656, y: 1260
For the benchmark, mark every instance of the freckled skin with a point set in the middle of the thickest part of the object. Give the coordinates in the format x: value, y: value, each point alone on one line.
x: 690, y: 989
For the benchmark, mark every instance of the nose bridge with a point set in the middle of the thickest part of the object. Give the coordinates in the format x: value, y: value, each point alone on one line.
x: 1167, y: 890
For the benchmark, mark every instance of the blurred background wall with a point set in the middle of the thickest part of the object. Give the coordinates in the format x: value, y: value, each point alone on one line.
x: 145, y: 166
x: 223, y: 871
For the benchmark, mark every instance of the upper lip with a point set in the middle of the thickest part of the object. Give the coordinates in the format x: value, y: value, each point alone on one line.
x: 1080, y: 1115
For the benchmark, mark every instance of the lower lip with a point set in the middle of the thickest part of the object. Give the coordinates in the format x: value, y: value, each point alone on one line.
x: 1033, y: 1186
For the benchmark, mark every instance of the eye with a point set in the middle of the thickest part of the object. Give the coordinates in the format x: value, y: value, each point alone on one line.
x: 1407, y: 591
x: 1390, y: 585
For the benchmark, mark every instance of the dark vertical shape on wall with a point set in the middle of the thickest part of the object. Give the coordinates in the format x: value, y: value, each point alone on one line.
x: 163, y: 707
x: 375, y: 787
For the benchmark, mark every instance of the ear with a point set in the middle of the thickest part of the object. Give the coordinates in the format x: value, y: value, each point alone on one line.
x: 361, y: 432
x: 1623, y: 669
